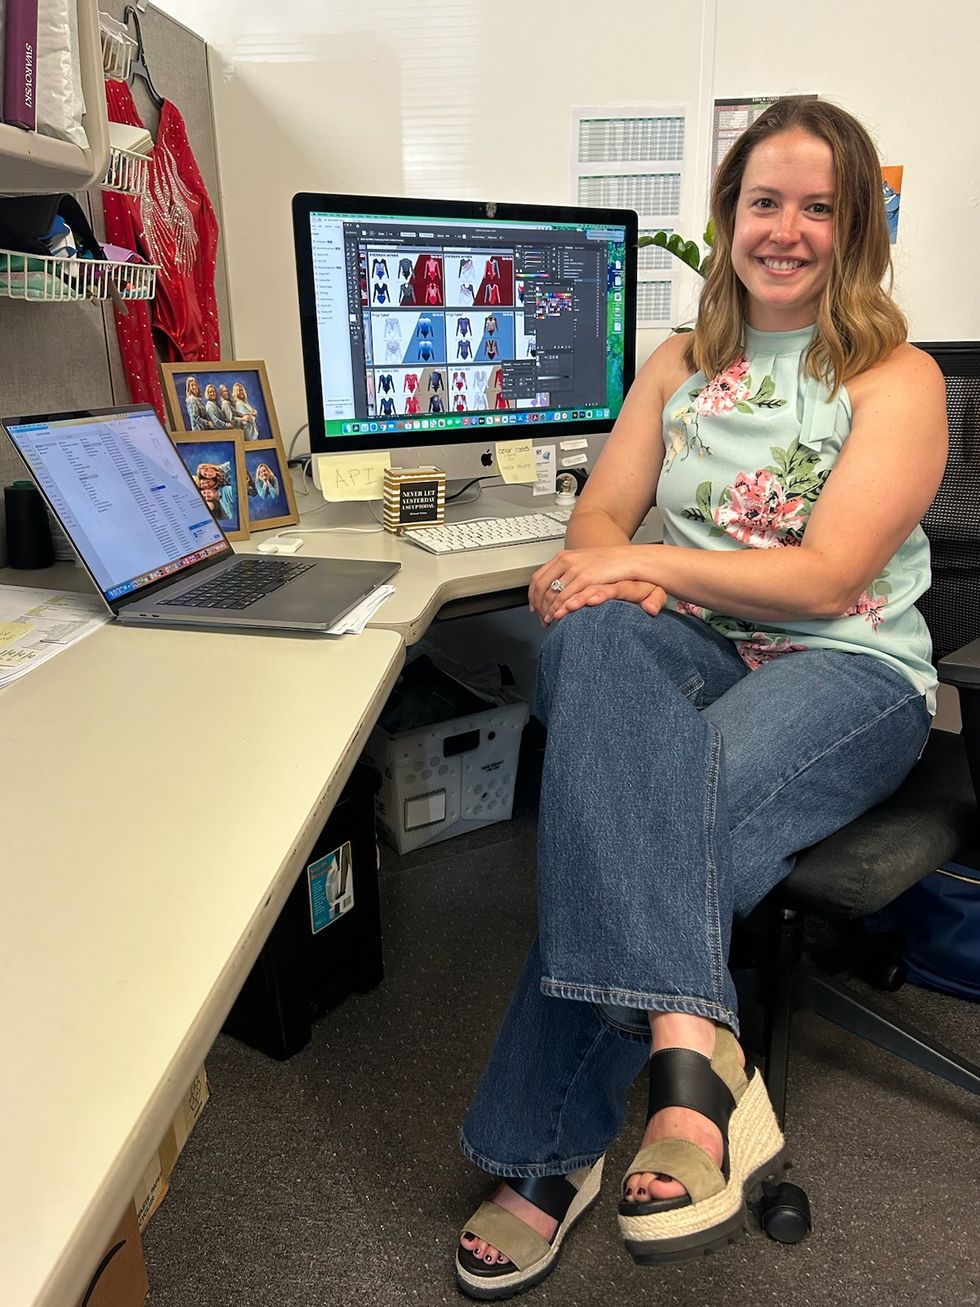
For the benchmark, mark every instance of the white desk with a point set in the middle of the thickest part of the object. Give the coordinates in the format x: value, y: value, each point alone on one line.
x: 427, y: 583
x: 153, y: 818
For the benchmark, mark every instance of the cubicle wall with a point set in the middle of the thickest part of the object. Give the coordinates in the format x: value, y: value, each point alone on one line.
x: 60, y: 356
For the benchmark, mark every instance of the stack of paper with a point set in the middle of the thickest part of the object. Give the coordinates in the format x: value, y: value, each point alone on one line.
x: 356, y: 620
x: 37, y: 624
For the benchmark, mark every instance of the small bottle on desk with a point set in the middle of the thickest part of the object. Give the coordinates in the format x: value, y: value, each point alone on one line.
x: 29, y: 542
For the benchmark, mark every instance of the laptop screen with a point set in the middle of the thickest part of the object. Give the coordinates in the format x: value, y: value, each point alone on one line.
x: 122, y: 493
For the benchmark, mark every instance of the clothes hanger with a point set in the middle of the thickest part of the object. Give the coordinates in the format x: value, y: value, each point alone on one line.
x: 138, y: 66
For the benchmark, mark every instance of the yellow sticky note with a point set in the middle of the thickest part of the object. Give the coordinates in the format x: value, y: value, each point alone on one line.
x: 10, y: 631
x: 515, y: 461
x: 352, y: 476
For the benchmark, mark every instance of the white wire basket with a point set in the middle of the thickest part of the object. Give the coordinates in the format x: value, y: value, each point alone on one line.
x: 118, y: 48
x: 49, y: 279
x: 128, y: 173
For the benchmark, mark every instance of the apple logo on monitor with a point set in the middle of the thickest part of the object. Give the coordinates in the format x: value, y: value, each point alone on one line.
x: 486, y: 458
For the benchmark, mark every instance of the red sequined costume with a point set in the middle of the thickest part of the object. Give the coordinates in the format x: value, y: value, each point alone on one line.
x: 172, y: 224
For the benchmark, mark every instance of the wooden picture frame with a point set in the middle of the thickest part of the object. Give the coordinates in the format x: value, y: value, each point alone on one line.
x: 226, y: 396
x: 269, y: 487
x: 253, y: 414
x: 216, y: 461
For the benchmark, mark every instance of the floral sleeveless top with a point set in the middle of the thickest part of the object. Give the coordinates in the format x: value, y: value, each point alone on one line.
x: 747, y: 455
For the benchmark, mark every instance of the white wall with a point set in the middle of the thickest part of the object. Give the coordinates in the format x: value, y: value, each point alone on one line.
x: 453, y: 98
x: 909, y: 72
x: 469, y: 99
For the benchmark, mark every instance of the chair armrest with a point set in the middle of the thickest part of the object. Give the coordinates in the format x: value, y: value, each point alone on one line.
x: 962, y: 667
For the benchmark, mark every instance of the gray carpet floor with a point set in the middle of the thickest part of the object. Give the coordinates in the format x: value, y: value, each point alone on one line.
x: 334, y: 1177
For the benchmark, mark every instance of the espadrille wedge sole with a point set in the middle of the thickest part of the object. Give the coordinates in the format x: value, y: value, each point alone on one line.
x: 713, y: 1213
x: 689, y: 1231
x: 532, y: 1258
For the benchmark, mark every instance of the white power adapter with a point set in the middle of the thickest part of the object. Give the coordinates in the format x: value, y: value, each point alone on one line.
x: 281, y: 545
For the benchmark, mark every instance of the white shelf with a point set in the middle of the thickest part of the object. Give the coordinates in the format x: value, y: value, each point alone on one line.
x: 128, y: 173
x: 32, y: 163
x: 50, y: 280
x: 118, y: 48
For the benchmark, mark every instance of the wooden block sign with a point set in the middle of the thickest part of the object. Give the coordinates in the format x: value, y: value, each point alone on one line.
x: 413, y: 497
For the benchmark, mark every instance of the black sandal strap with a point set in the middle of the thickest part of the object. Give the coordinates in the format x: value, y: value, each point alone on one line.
x: 680, y: 1077
x: 551, y: 1193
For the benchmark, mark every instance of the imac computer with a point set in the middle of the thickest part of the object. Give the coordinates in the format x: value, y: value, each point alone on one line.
x: 435, y: 328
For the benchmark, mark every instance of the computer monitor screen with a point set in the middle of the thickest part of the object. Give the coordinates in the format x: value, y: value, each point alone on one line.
x: 433, y: 321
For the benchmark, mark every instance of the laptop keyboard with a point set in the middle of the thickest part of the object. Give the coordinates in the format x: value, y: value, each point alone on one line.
x: 241, y: 585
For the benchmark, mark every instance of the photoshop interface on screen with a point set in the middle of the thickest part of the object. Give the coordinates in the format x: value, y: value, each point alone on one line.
x: 464, y: 323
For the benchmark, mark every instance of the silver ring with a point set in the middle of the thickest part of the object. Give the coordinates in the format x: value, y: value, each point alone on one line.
x: 557, y: 586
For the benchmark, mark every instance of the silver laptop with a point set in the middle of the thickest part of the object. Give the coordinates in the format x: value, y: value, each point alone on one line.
x: 115, y: 481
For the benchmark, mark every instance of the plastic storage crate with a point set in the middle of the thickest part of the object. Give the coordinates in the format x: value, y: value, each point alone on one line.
x: 326, y: 943
x: 450, y: 776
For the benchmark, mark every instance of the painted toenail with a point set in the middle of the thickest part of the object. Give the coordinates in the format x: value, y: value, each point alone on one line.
x: 641, y: 1193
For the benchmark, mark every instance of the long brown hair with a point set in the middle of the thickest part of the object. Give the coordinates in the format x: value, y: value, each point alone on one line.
x: 858, y: 323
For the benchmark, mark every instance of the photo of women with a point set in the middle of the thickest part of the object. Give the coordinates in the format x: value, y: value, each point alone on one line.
x: 216, y: 419
x: 222, y: 413
x: 215, y: 484
x: 219, y: 397
x: 216, y: 466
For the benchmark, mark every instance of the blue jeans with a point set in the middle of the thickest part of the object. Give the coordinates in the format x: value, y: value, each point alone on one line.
x: 678, y: 787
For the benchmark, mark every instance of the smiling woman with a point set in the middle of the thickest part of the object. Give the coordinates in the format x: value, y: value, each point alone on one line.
x: 783, y: 241
x: 715, y: 703
x: 803, y: 182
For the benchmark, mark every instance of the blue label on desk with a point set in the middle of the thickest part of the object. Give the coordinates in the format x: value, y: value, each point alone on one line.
x: 331, y: 884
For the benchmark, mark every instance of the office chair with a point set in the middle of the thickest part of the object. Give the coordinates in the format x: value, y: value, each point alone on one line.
x: 934, y: 814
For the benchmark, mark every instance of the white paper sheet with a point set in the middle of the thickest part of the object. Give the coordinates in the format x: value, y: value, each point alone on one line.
x: 357, y: 619
x: 37, y: 624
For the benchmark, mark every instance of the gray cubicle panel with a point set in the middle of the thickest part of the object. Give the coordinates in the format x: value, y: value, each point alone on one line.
x: 61, y: 356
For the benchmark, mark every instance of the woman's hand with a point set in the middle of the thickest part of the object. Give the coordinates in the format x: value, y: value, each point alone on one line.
x: 591, y: 576
x: 647, y: 594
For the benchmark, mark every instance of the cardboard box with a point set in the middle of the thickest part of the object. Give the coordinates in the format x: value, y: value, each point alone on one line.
x: 120, y: 1280
x: 153, y: 1185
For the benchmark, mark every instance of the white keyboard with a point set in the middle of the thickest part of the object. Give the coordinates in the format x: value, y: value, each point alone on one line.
x: 488, y: 532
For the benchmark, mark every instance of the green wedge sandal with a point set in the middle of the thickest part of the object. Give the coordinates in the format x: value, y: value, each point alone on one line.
x: 713, y: 1211
x: 565, y: 1197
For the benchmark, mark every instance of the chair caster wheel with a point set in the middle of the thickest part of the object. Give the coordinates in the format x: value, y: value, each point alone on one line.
x: 894, y: 978
x: 784, y: 1212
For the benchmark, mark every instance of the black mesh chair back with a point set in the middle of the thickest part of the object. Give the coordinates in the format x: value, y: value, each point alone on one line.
x: 868, y: 863
x: 930, y: 818
x: 952, y: 606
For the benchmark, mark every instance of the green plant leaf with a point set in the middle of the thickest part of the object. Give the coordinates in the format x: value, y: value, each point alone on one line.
x: 709, y: 233
x: 685, y: 250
